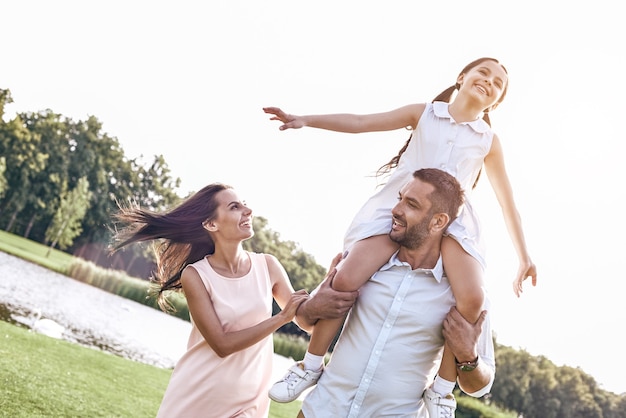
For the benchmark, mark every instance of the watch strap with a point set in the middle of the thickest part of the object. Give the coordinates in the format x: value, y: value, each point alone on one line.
x: 467, y: 366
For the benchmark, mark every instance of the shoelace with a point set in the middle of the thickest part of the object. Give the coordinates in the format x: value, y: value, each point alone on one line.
x: 291, y: 379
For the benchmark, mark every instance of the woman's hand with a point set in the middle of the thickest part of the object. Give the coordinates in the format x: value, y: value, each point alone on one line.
x: 289, y: 311
x: 325, y: 302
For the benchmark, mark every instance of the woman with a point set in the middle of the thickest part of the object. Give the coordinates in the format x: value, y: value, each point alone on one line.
x: 226, y: 369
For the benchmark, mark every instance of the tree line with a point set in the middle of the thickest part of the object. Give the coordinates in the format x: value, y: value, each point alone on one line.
x: 60, y: 181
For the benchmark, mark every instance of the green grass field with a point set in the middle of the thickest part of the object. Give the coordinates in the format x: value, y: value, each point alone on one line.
x: 44, y: 377
x: 26, y: 249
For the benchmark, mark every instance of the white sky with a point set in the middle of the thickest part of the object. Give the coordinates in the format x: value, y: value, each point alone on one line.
x: 188, y: 79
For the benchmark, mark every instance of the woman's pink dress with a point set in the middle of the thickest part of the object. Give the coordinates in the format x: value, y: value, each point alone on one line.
x: 205, y: 385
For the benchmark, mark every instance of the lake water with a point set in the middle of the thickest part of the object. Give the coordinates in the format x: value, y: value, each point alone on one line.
x: 90, y: 316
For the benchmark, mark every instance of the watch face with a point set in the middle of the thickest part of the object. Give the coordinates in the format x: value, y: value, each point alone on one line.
x: 467, y: 368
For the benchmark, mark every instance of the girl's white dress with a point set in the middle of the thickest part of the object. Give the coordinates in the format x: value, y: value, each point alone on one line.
x: 437, y: 142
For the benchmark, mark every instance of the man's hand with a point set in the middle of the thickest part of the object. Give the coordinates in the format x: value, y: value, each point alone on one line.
x: 462, y: 339
x: 462, y: 336
x: 325, y: 302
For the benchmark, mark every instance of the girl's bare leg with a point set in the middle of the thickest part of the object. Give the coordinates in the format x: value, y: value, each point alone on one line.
x: 363, y: 260
x: 465, y: 275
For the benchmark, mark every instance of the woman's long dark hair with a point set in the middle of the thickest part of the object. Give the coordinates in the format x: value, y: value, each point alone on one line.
x: 445, y: 96
x: 182, y: 240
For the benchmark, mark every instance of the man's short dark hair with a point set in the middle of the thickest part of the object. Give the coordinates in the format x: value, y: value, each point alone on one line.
x: 448, y: 195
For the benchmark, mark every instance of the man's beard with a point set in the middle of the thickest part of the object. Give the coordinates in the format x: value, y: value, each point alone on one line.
x: 414, y: 236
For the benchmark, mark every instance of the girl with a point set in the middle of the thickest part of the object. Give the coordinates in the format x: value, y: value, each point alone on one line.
x: 226, y: 369
x: 449, y: 135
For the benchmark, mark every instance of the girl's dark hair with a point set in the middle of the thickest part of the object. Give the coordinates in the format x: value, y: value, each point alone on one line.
x: 182, y: 237
x: 445, y: 96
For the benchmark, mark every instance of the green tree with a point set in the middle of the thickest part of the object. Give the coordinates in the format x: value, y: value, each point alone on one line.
x: 112, y: 178
x: 3, y: 181
x: 24, y: 160
x: 99, y: 158
x: 5, y: 99
x: 576, y: 399
x: 66, y: 224
x: 46, y: 153
x: 541, y: 401
x: 300, y: 266
x: 618, y: 410
x: 515, y: 370
x: 156, y: 187
x: 48, y: 183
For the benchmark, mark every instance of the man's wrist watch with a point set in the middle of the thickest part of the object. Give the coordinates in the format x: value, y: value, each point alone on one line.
x: 467, y: 366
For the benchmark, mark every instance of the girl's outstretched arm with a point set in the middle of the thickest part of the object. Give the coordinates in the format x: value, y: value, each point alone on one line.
x: 496, y: 172
x: 406, y: 116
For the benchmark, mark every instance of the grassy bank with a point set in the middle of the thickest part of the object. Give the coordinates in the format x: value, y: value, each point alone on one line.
x: 26, y: 249
x: 42, y: 376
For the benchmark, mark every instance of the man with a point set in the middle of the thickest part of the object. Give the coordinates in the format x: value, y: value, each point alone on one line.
x: 391, y: 343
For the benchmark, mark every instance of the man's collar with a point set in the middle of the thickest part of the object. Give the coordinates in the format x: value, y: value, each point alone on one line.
x: 436, y: 271
x: 441, y: 111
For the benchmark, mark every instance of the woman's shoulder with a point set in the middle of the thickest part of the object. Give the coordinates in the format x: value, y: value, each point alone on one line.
x: 268, y: 259
x: 254, y: 254
x: 198, y: 264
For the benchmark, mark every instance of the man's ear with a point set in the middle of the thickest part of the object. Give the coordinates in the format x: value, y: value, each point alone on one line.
x: 439, y: 221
